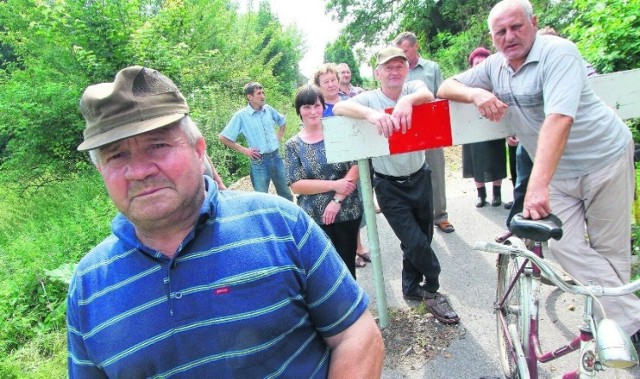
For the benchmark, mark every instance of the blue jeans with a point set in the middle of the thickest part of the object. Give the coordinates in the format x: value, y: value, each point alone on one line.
x: 270, y: 168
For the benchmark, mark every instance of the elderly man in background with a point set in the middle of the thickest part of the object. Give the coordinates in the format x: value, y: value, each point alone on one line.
x: 402, y: 182
x: 347, y: 90
x: 540, y: 83
x: 195, y: 282
x: 429, y: 73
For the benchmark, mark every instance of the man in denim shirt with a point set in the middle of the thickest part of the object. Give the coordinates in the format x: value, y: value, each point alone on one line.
x: 256, y: 122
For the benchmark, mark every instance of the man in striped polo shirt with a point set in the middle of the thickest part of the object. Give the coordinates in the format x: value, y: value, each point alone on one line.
x: 257, y: 122
x: 195, y: 282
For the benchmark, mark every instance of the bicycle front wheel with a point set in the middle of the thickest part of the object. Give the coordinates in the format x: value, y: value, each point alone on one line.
x: 513, y: 312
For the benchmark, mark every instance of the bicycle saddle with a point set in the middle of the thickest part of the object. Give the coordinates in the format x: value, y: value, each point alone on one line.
x: 536, y: 230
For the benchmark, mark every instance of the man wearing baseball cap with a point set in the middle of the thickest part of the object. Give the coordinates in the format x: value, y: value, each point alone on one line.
x: 429, y: 72
x: 192, y: 279
x: 402, y: 182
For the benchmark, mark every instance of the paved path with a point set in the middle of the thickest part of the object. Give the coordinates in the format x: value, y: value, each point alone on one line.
x: 468, y: 279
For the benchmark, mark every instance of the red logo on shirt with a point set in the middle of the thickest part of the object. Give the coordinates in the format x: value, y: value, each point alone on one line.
x: 222, y: 291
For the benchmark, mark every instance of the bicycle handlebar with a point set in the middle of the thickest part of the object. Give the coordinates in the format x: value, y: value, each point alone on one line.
x: 553, y: 276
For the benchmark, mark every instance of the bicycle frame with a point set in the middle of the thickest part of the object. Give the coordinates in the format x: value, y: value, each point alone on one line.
x: 533, y: 353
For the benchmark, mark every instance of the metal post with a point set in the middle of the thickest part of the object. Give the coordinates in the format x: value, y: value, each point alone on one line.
x: 374, y: 241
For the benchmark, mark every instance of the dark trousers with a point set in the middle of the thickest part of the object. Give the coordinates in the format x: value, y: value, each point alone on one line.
x: 344, y: 236
x: 524, y: 164
x: 408, y: 207
x: 512, y: 164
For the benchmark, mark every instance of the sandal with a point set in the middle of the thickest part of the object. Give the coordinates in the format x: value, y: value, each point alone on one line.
x: 445, y: 226
x: 503, y: 237
x: 360, y: 262
x: 366, y: 256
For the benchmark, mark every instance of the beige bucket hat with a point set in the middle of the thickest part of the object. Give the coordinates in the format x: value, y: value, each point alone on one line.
x: 139, y: 100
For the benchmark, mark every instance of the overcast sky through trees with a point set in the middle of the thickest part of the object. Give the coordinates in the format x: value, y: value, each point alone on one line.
x: 310, y: 19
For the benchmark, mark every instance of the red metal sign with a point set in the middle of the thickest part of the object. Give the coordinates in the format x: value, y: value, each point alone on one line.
x: 430, y: 128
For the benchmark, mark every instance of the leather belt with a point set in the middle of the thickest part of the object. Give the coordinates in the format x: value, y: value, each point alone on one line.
x: 399, y: 179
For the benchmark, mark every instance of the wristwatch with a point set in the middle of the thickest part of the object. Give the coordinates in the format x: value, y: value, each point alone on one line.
x: 337, y: 200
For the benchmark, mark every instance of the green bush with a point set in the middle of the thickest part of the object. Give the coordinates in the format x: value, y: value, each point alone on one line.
x: 42, y: 232
x: 45, y: 357
x: 205, y: 46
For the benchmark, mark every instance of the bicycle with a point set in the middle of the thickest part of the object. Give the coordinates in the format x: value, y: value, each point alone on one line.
x: 520, y: 268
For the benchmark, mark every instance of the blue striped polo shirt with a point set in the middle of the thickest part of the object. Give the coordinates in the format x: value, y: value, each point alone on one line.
x: 251, y: 293
x: 258, y: 127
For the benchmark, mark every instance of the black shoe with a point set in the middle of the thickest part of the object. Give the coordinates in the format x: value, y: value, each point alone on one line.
x: 418, y: 294
x: 440, y: 308
x: 508, y: 205
x: 480, y: 202
x: 497, y: 200
x: 635, y: 339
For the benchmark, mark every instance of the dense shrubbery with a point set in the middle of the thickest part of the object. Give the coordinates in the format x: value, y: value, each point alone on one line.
x: 43, y: 230
x: 53, y: 207
x: 208, y: 49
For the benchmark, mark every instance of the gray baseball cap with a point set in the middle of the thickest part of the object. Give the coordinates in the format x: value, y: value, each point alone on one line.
x: 139, y: 100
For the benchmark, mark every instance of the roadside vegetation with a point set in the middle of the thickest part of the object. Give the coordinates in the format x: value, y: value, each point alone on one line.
x: 53, y: 206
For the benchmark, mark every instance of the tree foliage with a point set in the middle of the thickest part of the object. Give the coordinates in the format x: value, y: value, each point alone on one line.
x: 280, y: 46
x: 50, y: 50
x: 374, y: 22
x: 340, y: 52
x: 606, y: 31
x: 53, y: 49
x: 446, y: 30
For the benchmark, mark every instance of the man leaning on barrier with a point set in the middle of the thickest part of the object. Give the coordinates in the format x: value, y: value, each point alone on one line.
x: 582, y: 151
x: 402, y: 182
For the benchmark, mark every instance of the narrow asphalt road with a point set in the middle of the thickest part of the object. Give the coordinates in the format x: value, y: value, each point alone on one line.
x: 468, y: 278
